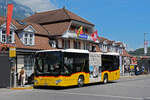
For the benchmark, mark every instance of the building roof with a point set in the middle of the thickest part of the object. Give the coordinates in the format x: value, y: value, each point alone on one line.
x: 22, y: 25
x: 57, y: 28
x: 118, y: 43
x: 102, y: 39
x: 55, y: 16
x: 41, y: 43
x: 13, y: 21
x: 2, y: 20
x: 110, y: 42
x: 125, y: 53
x: 38, y: 28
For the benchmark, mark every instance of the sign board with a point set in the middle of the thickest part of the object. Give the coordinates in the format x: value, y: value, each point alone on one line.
x: 84, y: 36
x: 131, y: 67
x: 12, y: 52
x: 134, y: 61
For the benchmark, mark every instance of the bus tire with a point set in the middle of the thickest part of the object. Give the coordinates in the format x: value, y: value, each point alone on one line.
x: 36, y: 87
x: 81, y: 81
x: 105, y: 80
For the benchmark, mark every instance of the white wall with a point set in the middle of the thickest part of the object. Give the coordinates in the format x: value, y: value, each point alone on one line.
x: 20, y: 62
x: 59, y: 43
x: 71, y: 44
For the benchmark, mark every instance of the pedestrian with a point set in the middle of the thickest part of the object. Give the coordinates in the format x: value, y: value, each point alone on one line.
x: 22, y: 76
x: 143, y: 68
x: 137, y: 71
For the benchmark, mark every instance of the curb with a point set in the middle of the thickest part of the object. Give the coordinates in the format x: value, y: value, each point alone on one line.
x: 133, y: 76
x: 21, y: 88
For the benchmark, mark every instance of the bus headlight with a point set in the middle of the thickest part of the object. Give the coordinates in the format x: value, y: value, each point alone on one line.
x: 58, y: 81
x: 36, y: 81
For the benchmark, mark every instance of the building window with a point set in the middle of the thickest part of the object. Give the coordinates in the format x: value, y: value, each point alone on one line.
x: 104, y: 48
x: 86, y: 46
x: 31, y: 39
x: 77, y: 44
x: 66, y: 44
x: 28, y: 39
x: 4, y: 37
x: 28, y: 64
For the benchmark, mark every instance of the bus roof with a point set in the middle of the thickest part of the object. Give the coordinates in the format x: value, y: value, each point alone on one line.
x: 66, y: 50
x: 108, y: 53
x: 79, y: 51
x: 111, y: 53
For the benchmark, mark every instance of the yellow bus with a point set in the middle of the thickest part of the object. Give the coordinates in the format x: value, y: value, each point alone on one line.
x: 71, y: 67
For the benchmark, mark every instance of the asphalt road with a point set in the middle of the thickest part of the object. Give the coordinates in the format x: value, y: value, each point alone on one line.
x: 129, y: 88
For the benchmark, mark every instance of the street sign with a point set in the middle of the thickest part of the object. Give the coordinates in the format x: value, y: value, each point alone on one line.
x: 12, y: 52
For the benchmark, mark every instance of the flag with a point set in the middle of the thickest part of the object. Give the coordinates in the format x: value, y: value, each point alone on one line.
x: 9, y: 17
x: 80, y: 31
x: 94, y: 35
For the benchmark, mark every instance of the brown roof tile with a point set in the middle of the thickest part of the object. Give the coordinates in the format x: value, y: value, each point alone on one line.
x: 38, y: 28
x: 13, y: 21
x: 118, y: 43
x: 102, y: 39
x: 57, y: 28
x: 2, y: 20
x: 110, y: 42
x: 125, y: 53
x: 54, y: 16
x: 41, y: 43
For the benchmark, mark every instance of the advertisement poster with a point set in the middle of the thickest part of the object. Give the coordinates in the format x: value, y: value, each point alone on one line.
x: 95, y: 67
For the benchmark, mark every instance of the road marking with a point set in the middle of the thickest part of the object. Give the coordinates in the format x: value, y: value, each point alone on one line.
x: 82, y: 94
x: 111, y: 96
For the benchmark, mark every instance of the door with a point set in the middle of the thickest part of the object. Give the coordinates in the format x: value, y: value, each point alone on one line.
x: 4, y: 71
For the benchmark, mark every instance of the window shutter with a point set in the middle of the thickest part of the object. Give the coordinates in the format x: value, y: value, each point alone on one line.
x: 33, y: 40
x: 68, y: 43
x: 0, y: 35
x: 74, y: 44
x: 79, y: 45
x: 62, y: 43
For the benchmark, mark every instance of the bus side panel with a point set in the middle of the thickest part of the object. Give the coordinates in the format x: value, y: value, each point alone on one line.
x: 61, y: 80
x: 117, y: 74
x: 112, y: 75
x: 109, y: 75
x: 73, y: 79
x: 46, y: 80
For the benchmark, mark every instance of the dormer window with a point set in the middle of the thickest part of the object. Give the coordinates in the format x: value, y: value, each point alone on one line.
x: 28, y: 39
x: 4, y: 38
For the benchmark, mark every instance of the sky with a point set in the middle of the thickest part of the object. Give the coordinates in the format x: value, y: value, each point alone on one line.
x: 119, y: 20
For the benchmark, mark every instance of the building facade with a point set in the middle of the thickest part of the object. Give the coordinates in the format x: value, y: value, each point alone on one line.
x: 51, y: 30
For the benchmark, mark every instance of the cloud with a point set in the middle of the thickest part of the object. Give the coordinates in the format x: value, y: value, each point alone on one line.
x: 38, y: 5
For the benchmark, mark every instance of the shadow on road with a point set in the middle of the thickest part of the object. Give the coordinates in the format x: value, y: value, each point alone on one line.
x: 70, y: 87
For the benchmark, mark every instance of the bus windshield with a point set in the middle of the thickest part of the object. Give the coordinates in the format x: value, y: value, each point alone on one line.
x: 48, y: 63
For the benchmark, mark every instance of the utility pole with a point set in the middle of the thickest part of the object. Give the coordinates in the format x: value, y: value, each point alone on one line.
x: 145, y: 44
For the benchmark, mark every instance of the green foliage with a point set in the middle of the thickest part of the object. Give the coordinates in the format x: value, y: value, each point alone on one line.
x: 139, y: 52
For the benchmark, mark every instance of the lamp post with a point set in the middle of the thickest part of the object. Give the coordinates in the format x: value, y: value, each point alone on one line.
x: 145, y: 44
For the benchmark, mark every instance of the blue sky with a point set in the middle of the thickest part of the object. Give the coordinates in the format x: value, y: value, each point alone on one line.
x: 119, y: 20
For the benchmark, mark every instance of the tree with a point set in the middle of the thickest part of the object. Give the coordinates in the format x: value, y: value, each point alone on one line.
x: 139, y: 52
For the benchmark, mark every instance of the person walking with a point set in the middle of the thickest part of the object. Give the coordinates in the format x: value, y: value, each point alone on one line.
x: 22, y: 76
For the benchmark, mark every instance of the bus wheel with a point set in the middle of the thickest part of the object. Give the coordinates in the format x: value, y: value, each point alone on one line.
x: 80, y: 81
x: 105, y: 79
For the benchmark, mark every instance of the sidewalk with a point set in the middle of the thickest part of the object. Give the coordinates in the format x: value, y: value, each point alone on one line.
x: 22, y: 88
x: 127, y: 75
